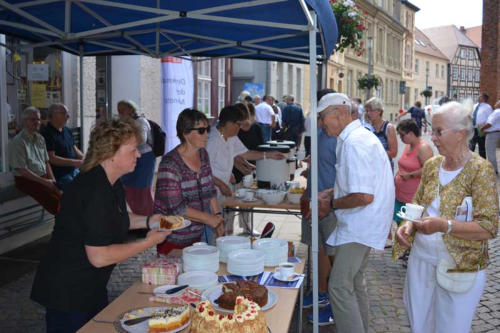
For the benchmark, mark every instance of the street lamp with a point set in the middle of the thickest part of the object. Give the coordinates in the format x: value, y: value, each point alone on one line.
x: 370, y: 56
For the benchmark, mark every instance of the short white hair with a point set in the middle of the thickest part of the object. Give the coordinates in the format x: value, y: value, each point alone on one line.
x: 375, y: 103
x: 29, y: 111
x: 458, y: 115
x: 242, y: 95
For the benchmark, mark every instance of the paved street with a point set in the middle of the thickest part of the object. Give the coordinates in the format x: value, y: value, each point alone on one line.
x: 385, y: 284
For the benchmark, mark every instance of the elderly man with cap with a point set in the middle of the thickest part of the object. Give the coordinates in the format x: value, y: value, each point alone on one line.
x: 363, y: 201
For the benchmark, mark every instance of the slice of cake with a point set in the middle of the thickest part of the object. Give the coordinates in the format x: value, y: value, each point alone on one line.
x: 168, y: 319
x: 247, y: 318
x: 171, y: 222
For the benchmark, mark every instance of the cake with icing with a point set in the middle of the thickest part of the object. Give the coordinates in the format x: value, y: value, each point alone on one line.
x: 168, y: 319
x: 248, y: 317
x: 249, y: 289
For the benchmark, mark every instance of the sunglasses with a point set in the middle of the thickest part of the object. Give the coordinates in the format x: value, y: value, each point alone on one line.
x: 201, y: 130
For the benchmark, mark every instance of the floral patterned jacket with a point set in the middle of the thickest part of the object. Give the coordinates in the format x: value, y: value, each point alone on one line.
x: 477, y: 180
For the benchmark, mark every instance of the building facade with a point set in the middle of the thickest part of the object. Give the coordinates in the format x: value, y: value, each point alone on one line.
x: 430, y: 70
x: 464, y: 75
x: 389, y: 54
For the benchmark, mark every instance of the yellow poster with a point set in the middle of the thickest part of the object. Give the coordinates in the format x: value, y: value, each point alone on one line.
x: 38, y: 95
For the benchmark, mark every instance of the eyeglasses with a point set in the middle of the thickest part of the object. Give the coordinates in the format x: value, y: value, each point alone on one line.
x: 201, y: 130
x: 439, y: 132
x: 323, y: 114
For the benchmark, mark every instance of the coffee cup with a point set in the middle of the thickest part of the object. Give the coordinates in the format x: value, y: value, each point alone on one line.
x: 249, y: 195
x: 285, y: 270
x: 248, y: 180
x: 241, y: 192
x: 412, y: 211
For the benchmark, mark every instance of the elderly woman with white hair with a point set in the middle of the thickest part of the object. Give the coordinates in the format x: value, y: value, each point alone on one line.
x: 138, y: 183
x: 382, y: 129
x: 449, y: 246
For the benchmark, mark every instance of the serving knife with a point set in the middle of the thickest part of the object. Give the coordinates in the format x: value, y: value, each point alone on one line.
x: 135, y: 321
x: 176, y: 289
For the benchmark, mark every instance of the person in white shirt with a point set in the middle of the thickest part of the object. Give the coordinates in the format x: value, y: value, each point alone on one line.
x: 482, y: 111
x: 265, y: 117
x: 223, y: 146
x: 363, y: 201
x: 492, y: 131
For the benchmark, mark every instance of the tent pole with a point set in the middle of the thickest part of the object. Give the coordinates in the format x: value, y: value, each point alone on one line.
x: 314, y: 167
x: 81, y: 100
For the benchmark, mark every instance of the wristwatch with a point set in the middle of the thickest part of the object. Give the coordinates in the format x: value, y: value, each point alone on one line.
x: 331, y: 204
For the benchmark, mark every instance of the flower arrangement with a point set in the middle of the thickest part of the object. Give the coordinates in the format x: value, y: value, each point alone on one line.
x: 426, y: 93
x: 350, y: 25
x: 368, y: 81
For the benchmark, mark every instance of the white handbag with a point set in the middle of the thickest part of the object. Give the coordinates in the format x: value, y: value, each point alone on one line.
x: 454, y: 282
x: 457, y: 282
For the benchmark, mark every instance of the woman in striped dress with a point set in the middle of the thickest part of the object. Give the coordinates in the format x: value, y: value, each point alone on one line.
x: 185, y: 185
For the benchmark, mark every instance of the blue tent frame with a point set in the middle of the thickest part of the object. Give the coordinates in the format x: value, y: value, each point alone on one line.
x: 301, y: 31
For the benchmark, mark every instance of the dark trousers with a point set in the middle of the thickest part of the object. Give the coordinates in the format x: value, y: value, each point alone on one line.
x: 480, y: 140
x: 48, y: 198
x: 69, y: 322
x: 307, y: 145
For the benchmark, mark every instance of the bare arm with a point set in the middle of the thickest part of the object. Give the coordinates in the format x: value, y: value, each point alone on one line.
x: 466, y: 230
x: 353, y: 200
x: 28, y: 174
x: 392, y: 141
x: 223, y: 187
x: 273, y: 121
x: 485, y: 127
x: 400, y: 115
x: 243, y: 165
x: 78, y: 152
x: 101, y: 256
x: 62, y: 161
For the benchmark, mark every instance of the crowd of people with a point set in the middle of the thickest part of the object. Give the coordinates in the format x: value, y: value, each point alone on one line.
x: 359, y: 198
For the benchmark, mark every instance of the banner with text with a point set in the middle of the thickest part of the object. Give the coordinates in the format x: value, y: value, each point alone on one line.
x: 178, y: 92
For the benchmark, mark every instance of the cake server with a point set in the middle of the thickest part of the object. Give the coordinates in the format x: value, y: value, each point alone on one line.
x: 135, y: 321
x: 176, y: 289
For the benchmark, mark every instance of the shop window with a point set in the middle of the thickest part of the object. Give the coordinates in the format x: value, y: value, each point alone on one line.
x: 203, y: 87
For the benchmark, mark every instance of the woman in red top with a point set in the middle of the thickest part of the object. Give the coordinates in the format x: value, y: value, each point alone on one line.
x: 414, y: 155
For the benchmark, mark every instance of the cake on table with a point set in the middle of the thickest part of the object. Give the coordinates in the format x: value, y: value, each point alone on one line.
x: 168, y: 319
x: 247, y: 318
x: 249, y: 289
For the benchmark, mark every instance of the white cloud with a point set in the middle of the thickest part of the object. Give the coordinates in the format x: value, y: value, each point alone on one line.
x: 433, y: 13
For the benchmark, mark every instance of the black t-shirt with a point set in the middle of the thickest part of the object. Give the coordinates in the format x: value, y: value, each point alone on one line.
x: 61, y: 143
x: 251, y: 139
x: 417, y: 114
x: 93, y: 212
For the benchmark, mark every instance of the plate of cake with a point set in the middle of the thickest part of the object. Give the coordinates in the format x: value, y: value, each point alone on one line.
x: 162, y: 319
x: 223, y: 296
x: 171, y: 222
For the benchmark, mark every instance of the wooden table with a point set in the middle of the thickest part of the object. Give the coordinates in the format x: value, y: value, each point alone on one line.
x: 278, y: 318
x: 233, y: 204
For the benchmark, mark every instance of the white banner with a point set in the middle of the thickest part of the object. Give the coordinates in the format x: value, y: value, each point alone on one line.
x: 178, y: 92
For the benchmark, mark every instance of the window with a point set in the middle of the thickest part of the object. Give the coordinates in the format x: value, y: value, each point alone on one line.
x: 222, y: 83
x: 358, y: 76
x: 463, y: 53
x: 349, y: 83
x: 478, y: 75
x: 455, y: 73
x: 416, y: 94
x: 437, y: 71
x: 442, y: 71
x: 416, y: 66
x: 391, y: 91
x: 470, y: 76
x: 203, y: 87
x: 462, y: 74
x: 408, y: 57
x: 290, y: 80
x: 471, y: 54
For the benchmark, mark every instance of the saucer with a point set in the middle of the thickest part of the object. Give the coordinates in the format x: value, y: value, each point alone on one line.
x: 404, y: 217
x: 251, y: 200
x: 277, y: 276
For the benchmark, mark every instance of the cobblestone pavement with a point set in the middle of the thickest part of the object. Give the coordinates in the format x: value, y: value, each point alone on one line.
x: 385, y: 285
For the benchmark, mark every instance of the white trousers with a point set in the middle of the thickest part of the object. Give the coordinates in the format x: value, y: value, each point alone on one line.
x: 431, y: 308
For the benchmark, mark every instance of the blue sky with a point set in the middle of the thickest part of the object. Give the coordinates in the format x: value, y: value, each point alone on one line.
x: 434, y: 13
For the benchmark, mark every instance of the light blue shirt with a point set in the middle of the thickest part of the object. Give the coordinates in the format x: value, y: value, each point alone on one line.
x: 326, y: 163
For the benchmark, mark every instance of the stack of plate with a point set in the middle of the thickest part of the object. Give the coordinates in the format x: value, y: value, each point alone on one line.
x: 227, y: 244
x: 198, y: 279
x: 276, y: 250
x: 200, y: 258
x: 246, y: 262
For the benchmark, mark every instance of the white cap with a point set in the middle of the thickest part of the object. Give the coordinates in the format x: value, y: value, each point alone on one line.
x: 333, y: 99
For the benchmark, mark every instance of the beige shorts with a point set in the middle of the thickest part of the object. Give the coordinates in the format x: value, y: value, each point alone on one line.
x: 326, y: 225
